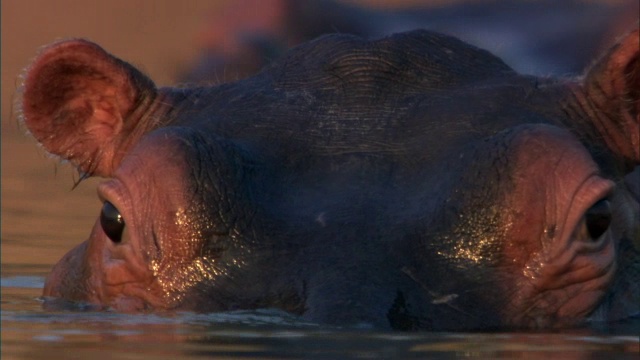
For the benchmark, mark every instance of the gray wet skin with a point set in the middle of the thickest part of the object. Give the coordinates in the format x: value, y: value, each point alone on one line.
x: 412, y: 182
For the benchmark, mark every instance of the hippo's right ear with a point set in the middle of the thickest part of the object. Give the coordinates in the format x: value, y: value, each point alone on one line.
x: 83, y: 104
x: 612, y: 87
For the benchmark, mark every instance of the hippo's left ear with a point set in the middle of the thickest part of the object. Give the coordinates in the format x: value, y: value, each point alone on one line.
x: 612, y: 89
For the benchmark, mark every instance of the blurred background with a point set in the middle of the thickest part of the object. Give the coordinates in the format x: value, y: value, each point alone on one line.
x: 199, y: 41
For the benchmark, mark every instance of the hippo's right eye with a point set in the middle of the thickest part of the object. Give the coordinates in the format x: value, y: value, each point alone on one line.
x: 112, y: 222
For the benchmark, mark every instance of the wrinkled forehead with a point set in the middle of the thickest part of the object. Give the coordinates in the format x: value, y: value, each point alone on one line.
x: 157, y: 168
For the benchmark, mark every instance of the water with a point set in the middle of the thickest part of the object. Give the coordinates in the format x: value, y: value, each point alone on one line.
x: 42, y: 219
x: 29, y: 332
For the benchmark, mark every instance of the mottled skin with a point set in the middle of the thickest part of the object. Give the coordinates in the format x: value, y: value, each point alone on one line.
x: 412, y: 182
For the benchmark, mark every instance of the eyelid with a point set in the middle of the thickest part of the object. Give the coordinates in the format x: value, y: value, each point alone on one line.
x: 114, y: 192
x: 601, y: 189
x: 592, y: 190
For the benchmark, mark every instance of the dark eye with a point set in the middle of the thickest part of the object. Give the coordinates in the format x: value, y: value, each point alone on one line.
x: 598, y: 218
x: 112, y: 222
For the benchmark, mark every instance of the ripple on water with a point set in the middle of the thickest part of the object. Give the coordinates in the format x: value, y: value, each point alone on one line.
x: 30, y: 332
x: 30, y: 282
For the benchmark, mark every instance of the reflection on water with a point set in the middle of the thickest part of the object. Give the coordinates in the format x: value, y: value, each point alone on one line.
x: 29, y: 332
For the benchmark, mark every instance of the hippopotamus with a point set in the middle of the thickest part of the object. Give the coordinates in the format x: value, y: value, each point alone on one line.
x: 408, y: 182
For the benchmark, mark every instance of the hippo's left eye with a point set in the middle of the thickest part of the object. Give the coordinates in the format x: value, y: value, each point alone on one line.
x: 112, y: 222
x: 598, y: 218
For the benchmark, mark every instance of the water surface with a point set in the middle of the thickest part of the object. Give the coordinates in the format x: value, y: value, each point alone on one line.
x: 29, y: 332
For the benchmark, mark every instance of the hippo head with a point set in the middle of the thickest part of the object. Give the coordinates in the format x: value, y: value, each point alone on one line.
x: 409, y: 182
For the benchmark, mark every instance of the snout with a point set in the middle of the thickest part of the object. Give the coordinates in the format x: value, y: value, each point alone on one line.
x: 70, y: 278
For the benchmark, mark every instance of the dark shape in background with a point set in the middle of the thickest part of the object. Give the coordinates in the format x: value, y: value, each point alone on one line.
x: 544, y: 37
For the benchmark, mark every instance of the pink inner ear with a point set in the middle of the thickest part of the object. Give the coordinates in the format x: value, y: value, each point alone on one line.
x: 632, y: 75
x: 613, y: 88
x: 76, y: 98
x: 631, y: 100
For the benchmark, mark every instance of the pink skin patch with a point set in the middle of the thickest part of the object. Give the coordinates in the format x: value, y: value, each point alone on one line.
x: 563, y: 272
x: 132, y: 274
